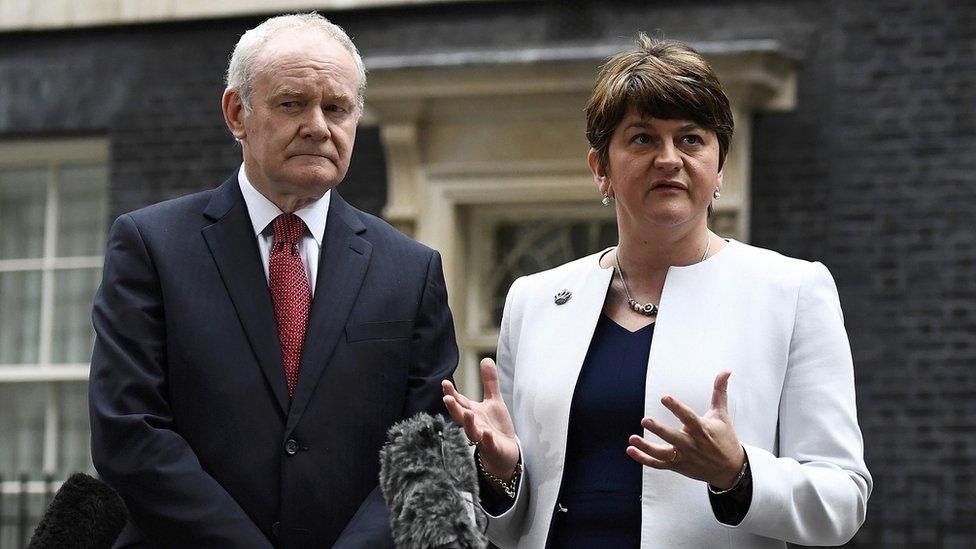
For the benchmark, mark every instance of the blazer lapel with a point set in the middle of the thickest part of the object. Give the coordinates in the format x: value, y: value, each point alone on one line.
x: 235, y: 250
x: 553, y: 345
x: 342, y: 267
x: 572, y: 326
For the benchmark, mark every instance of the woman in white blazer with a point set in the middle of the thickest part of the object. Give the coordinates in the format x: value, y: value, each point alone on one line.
x: 643, y: 338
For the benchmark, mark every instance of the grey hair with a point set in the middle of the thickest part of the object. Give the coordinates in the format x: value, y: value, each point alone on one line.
x: 242, y: 69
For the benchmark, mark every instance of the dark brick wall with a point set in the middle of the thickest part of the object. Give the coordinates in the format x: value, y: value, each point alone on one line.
x: 873, y: 174
x: 154, y: 92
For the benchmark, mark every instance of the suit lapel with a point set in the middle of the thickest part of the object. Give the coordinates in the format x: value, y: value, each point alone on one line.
x: 234, y: 248
x: 342, y: 267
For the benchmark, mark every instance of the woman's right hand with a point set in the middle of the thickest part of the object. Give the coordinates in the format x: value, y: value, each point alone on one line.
x: 486, y: 423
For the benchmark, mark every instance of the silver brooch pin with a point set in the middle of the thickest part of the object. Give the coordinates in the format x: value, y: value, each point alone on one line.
x: 563, y: 296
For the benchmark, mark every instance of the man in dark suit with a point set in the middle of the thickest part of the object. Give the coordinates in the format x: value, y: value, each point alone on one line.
x: 256, y: 341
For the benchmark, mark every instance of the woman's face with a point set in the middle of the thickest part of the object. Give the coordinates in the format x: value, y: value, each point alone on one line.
x: 661, y: 172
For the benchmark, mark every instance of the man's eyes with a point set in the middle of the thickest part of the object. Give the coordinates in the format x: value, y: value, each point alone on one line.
x: 299, y: 105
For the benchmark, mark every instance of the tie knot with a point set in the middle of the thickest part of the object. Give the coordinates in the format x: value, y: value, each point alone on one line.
x: 288, y: 228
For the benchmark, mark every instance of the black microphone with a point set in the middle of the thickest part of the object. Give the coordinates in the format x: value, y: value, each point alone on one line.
x: 428, y: 479
x: 86, y: 513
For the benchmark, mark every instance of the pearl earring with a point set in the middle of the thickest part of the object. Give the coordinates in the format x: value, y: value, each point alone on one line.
x: 716, y: 195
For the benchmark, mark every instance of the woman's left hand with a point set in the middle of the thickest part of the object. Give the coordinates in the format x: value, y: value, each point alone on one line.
x: 705, y: 448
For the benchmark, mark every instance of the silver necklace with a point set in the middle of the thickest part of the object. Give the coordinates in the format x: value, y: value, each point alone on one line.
x: 646, y: 309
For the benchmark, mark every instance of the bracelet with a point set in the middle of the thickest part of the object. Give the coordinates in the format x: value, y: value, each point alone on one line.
x: 735, y: 484
x: 507, y: 487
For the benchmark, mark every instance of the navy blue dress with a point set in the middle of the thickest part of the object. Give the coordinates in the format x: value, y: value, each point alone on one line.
x: 601, y: 484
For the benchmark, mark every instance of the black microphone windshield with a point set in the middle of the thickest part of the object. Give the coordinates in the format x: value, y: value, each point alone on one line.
x: 86, y: 513
x: 429, y: 481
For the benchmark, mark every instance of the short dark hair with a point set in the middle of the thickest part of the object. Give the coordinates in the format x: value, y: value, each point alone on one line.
x: 663, y: 79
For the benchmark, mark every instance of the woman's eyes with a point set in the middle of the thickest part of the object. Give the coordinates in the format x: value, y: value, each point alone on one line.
x: 690, y: 139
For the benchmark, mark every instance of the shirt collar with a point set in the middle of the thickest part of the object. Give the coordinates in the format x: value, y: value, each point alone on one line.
x: 263, y: 211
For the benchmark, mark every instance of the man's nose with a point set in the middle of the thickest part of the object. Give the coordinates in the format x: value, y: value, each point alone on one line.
x: 667, y: 158
x: 316, y: 125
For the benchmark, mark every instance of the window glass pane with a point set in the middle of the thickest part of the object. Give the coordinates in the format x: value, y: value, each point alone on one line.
x: 81, y: 210
x: 525, y: 247
x: 21, y: 514
x: 73, y: 335
x: 22, y: 429
x: 74, y: 453
x: 20, y: 303
x: 22, y: 203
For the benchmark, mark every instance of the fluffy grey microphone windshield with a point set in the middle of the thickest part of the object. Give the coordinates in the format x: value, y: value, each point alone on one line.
x: 429, y: 481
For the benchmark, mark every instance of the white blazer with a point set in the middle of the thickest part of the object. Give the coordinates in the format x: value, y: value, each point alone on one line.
x: 775, y: 322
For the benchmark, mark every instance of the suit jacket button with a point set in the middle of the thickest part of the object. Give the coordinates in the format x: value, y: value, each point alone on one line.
x: 291, y: 447
x: 275, y: 527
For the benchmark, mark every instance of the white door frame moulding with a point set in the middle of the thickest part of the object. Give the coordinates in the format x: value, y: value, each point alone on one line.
x: 463, y: 129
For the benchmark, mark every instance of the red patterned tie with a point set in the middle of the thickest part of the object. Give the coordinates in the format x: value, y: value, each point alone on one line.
x: 289, y: 292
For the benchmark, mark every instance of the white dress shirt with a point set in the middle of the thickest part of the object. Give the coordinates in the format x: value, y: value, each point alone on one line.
x: 263, y: 211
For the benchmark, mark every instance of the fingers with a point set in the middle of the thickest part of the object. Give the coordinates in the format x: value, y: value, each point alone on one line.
x: 686, y: 415
x: 471, y: 428
x: 657, y: 451
x: 455, y: 409
x: 720, y: 392
x: 489, y: 379
x: 487, y: 441
x: 667, y: 434
x: 644, y: 458
x: 456, y: 403
x: 489, y: 444
x: 464, y: 417
x: 449, y: 390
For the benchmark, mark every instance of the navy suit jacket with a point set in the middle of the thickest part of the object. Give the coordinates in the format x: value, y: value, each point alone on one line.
x: 190, y: 416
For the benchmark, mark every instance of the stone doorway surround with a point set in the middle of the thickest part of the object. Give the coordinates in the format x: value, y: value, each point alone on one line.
x: 469, y: 129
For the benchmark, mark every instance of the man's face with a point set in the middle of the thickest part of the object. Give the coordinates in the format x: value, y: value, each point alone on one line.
x: 299, y: 135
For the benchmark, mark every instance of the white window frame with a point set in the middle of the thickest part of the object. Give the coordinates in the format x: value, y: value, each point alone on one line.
x: 52, y: 154
x: 480, y: 248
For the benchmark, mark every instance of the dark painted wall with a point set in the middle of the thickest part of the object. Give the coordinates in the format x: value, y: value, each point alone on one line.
x: 873, y: 174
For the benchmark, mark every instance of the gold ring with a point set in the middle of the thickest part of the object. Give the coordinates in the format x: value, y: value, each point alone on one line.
x: 674, y: 456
